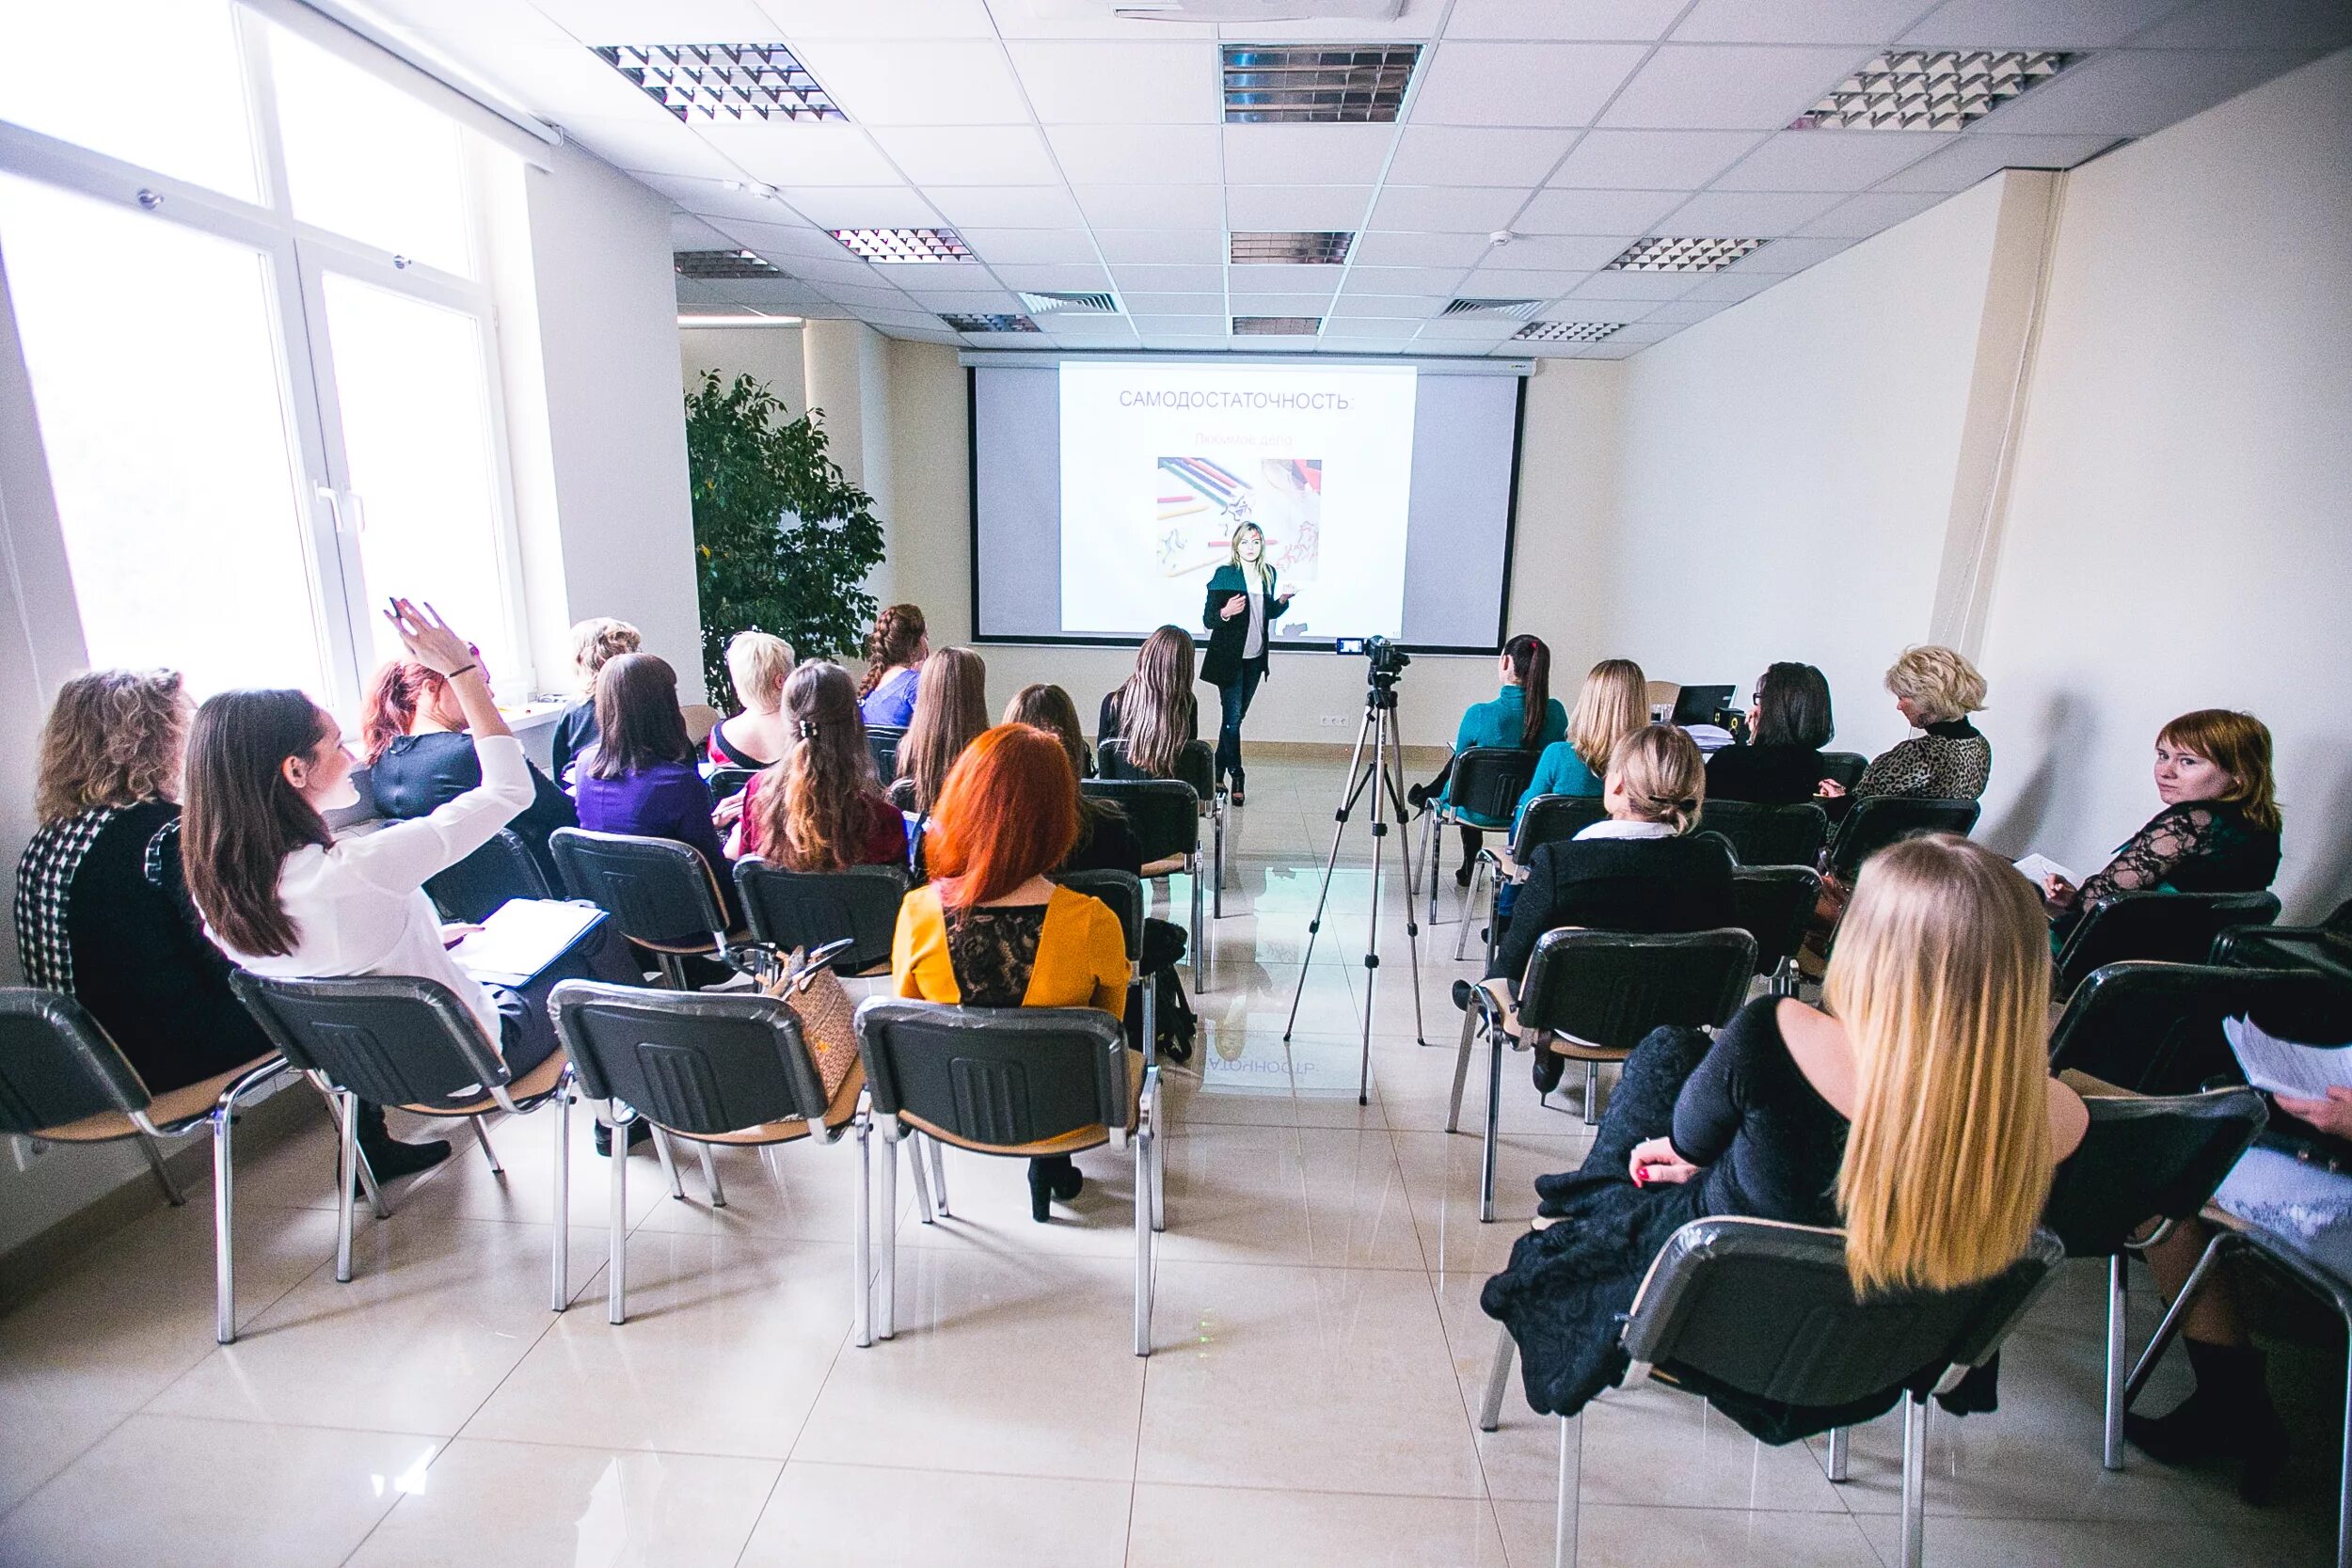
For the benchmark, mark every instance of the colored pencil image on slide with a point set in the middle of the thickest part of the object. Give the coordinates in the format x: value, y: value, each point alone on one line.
x: 1200, y: 501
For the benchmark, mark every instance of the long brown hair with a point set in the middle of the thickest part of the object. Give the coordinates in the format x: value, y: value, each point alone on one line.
x: 1530, y: 668
x: 243, y: 819
x: 1009, y: 812
x: 812, y: 805
x: 2239, y: 745
x: 950, y: 711
x: 389, y: 709
x: 1049, y: 709
x: 1615, y: 702
x: 637, y: 719
x: 114, y: 738
x: 1156, y: 706
x: 898, y: 632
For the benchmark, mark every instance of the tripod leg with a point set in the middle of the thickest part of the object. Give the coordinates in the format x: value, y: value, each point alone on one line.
x: 1412, y: 932
x: 1331, y: 864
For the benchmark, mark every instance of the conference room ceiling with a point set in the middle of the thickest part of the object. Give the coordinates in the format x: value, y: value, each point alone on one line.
x: 1055, y: 148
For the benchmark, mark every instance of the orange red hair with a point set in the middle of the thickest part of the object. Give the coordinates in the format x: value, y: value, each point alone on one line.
x: 1008, y: 812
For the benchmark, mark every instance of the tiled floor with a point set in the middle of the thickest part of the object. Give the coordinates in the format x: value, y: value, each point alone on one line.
x: 1310, y: 1397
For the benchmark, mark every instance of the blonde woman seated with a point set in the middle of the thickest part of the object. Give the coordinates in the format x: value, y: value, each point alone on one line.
x: 758, y: 737
x: 1935, y: 689
x: 989, y: 930
x: 1612, y: 705
x: 1918, y: 1111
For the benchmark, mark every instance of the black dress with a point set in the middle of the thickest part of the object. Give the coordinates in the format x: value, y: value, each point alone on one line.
x: 1617, y: 885
x: 1767, y: 775
x: 2194, y: 846
x: 419, y: 772
x: 102, y: 915
x: 1769, y: 1146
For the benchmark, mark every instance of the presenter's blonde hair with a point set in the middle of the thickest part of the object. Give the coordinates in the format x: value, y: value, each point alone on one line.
x: 1939, y: 682
x: 1613, y: 702
x: 1941, y: 977
x: 1233, y: 559
x: 1663, y: 774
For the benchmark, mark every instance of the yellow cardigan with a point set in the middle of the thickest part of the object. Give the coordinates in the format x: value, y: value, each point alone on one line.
x: 1081, y: 955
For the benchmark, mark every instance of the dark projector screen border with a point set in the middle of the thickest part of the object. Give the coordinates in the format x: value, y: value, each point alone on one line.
x: 1041, y: 460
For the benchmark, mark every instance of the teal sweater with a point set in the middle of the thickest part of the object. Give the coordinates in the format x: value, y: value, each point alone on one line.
x: 1499, y: 723
x: 1558, y: 771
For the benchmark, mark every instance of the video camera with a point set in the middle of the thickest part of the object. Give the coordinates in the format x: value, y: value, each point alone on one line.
x: 1388, y: 659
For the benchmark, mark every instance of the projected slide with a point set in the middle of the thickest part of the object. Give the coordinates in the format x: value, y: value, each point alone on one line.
x: 1160, y: 462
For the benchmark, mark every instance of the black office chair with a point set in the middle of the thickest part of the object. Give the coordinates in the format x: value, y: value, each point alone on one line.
x: 2325, y: 947
x: 2155, y: 1028
x: 729, y: 1069
x: 1166, y: 815
x: 1123, y: 892
x: 1548, y: 819
x: 1196, y: 765
x: 656, y: 889
x: 1847, y: 768
x: 1765, y: 1309
x: 727, y: 782
x: 1017, y: 1082
x: 501, y: 870
x: 1773, y: 904
x: 1768, y: 836
x: 2170, y: 927
x: 64, y: 1081
x: 1878, y: 820
x: 789, y: 910
x: 1482, y: 792
x: 1591, y: 996
x: 402, y: 1041
x: 882, y: 741
x: 2143, y: 1158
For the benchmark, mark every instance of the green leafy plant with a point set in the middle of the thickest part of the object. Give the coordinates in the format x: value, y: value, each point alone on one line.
x: 781, y: 539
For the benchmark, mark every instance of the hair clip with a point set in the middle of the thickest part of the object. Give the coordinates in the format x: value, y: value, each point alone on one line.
x: 808, y: 729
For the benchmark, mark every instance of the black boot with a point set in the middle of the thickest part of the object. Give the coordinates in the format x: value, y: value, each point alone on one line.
x: 2228, y: 1416
x: 1550, y: 1065
x: 388, y: 1158
x: 1052, y: 1178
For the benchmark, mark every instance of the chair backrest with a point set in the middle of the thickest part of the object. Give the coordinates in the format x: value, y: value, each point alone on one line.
x: 809, y: 909
x: 57, y: 1064
x: 1847, y: 768
x: 1196, y: 765
x: 1487, y: 782
x: 1122, y: 891
x: 394, y: 1039
x: 1612, y: 988
x: 1765, y: 1308
x: 656, y: 889
x: 1768, y: 836
x: 1165, y: 813
x: 2155, y: 1028
x: 701, y: 718
x: 2157, y: 1157
x: 1878, y: 820
x: 1006, y: 1076
x: 2169, y: 928
x: 500, y: 870
x: 1773, y: 904
x: 882, y: 741
x: 1660, y: 694
x: 1698, y: 705
x: 702, y: 1062
x: 728, y: 781
x: 1554, y: 819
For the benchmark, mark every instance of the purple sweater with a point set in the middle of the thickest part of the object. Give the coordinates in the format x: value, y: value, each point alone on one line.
x: 666, y: 801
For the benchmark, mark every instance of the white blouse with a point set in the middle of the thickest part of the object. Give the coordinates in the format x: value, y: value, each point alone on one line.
x: 359, y: 906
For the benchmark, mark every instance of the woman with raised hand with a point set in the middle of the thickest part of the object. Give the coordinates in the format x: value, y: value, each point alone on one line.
x: 1154, y: 714
x: 1916, y: 1111
x: 950, y: 708
x: 1242, y: 607
x: 413, y: 736
x: 758, y: 735
x: 895, y: 652
x: 822, y: 809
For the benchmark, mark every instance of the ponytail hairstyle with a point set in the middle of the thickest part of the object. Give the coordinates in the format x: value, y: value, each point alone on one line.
x: 950, y: 710
x: 1156, y: 706
x: 1530, y: 672
x: 243, y: 819
x: 389, y: 710
x: 1663, y: 777
x: 898, y: 632
x: 1615, y: 702
x: 812, y: 805
x: 1941, y: 977
x: 639, y: 722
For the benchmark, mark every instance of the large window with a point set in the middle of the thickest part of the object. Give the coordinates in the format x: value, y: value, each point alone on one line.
x: 247, y: 283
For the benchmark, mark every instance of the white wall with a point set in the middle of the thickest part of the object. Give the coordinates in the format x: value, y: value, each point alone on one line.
x: 2180, y: 528
x: 766, y: 354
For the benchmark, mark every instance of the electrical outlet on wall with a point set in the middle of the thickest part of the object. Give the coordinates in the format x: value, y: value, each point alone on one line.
x: 1334, y: 720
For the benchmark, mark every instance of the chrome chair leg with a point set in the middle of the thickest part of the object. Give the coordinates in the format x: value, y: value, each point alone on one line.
x: 888, y: 1327
x: 1592, y: 1094
x: 2344, y: 1484
x: 2174, y: 1316
x: 482, y: 1137
x: 1144, y: 1242
x: 1150, y: 985
x: 1470, y: 903
x: 172, y: 1195
x: 1498, y: 1381
x: 1566, y: 1507
x: 347, y: 1163
x: 1915, y: 1480
x: 1216, y: 890
x: 710, y: 1177
x: 559, y: 1285
x: 1200, y: 947
x: 669, y: 1163
x: 2111, y: 1438
x: 1494, y: 1128
x: 862, y: 1240
x: 939, y: 1177
x: 224, y: 1233
x: 922, y: 1178
x: 1840, y: 1453
x: 1461, y: 1071
x: 616, y: 1267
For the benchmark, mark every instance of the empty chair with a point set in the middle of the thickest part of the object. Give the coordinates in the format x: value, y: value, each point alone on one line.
x: 656, y: 889
x: 1592, y: 996
x: 1878, y: 820
x: 1196, y: 765
x: 1768, y: 836
x: 63, y: 1080
x: 1847, y: 768
x: 2142, y: 1159
x: 2174, y: 927
x: 883, y: 741
x: 1016, y: 1082
x: 2155, y: 1028
x: 401, y: 1041
x: 1166, y: 815
x: 788, y: 910
x: 1773, y: 904
x: 1548, y: 819
x: 1761, y: 1312
x: 1123, y: 892
x: 730, y: 1068
x: 1482, y: 792
x: 499, y: 871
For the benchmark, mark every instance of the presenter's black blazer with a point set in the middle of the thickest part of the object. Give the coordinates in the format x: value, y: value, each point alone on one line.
x: 1223, y: 664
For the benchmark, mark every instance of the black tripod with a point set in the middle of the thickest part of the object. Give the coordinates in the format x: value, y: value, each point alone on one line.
x: 1385, y: 768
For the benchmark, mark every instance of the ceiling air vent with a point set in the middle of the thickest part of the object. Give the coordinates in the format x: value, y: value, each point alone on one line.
x: 1312, y: 248
x: 987, y: 324
x: 1276, y: 326
x: 722, y: 263
x: 761, y: 81
x: 1310, y: 84
x: 1666, y: 253
x: 1518, y: 309
x: 1929, y: 90
x: 1057, y: 302
x: 885, y: 246
x: 1564, y: 332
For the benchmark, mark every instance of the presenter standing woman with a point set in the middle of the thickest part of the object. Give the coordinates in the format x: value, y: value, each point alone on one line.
x: 1242, y: 608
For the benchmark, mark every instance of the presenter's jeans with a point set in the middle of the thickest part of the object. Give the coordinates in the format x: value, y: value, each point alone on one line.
x: 1234, y: 701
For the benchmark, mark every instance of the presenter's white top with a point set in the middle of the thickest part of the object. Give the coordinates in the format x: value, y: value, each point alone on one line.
x: 359, y: 907
x: 1253, y: 578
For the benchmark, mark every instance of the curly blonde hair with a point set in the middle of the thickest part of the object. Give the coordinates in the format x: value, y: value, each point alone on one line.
x: 114, y: 738
x: 597, y: 642
x: 1938, y: 681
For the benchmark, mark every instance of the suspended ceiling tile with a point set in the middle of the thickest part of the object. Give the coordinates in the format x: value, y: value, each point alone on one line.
x: 2132, y: 92
x: 865, y: 19
x: 1150, y: 279
x: 1121, y: 84
x: 1139, y: 155
x: 1200, y: 207
x: 1639, y: 285
x: 1381, y: 249
x: 1521, y: 83
x: 1790, y: 255
x: 1830, y: 160
x: 1865, y: 215
x: 2035, y: 24
x: 1046, y: 246
x: 1689, y: 86
x: 1305, y: 154
x: 1629, y: 20
x: 2315, y: 25
x: 1448, y: 209
x: 1743, y: 215
x: 1979, y: 153
x: 1443, y: 154
x: 865, y: 207
x: 1653, y: 160
x: 1599, y: 211
x: 970, y: 154
x: 1008, y: 206
x: 1283, y: 207
x: 826, y: 152
x: 918, y: 81
x: 1165, y: 247
x: 1868, y: 22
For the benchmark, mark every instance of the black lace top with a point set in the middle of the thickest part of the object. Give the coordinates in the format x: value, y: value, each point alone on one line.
x: 993, y: 950
x: 2196, y: 847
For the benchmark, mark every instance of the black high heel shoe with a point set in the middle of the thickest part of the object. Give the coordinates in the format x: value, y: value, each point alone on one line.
x: 2228, y: 1416
x: 1052, y: 1178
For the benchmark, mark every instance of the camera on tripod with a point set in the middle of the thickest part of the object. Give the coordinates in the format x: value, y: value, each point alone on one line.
x: 1388, y: 659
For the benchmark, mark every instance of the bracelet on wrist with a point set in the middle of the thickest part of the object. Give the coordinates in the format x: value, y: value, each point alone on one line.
x: 454, y: 673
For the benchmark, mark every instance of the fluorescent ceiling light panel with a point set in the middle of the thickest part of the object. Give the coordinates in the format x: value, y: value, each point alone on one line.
x: 722, y: 263
x: 758, y: 81
x: 1669, y: 253
x: 962, y: 322
x: 904, y: 245
x: 1564, y: 332
x: 1931, y: 90
x: 1058, y: 302
x: 1521, y: 308
x: 1304, y: 248
x: 1276, y: 326
x: 746, y: 318
x: 1297, y: 84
